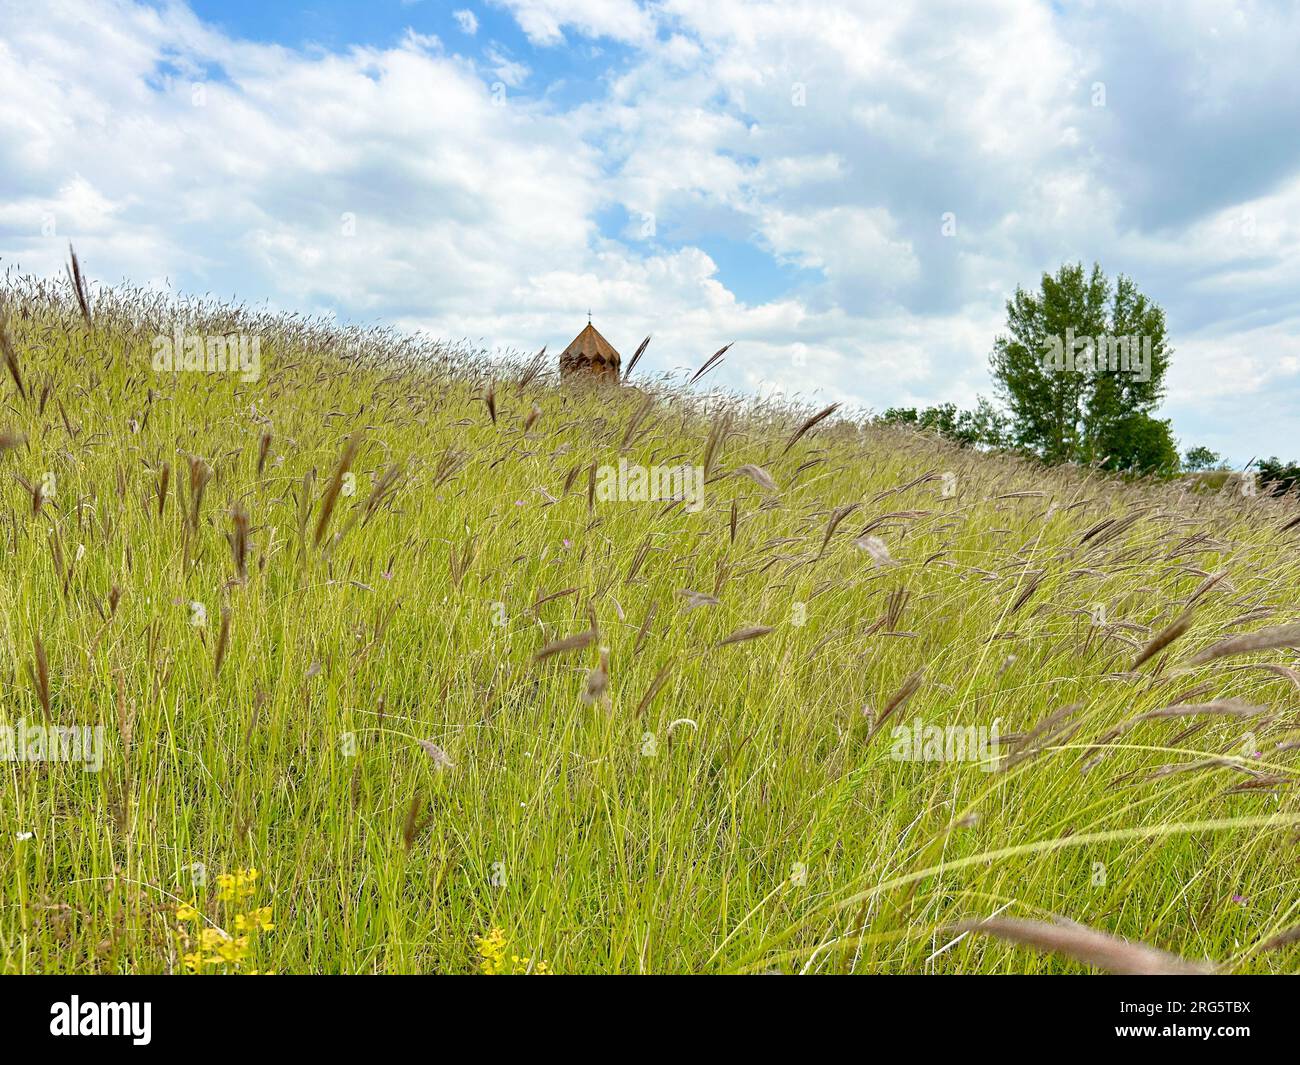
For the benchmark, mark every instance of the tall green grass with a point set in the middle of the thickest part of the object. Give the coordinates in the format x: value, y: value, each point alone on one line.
x: 749, y: 816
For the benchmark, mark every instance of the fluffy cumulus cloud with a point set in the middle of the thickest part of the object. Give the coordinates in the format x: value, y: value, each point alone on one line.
x: 849, y: 191
x: 544, y: 21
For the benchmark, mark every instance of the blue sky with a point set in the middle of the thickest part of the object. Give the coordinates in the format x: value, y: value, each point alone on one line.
x: 767, y: 172
x: 564, y: 74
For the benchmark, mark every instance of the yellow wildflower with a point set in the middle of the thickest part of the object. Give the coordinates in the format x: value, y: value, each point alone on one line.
x: 233, y: 951
x: 492, y: 954
x: 237, y: 885
x: 200, y: 947
x: 492, y: 951
x: 258, y: 920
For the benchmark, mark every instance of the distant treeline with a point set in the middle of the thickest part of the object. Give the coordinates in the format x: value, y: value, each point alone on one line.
x: 1079, y: 374
x: 987, y: 428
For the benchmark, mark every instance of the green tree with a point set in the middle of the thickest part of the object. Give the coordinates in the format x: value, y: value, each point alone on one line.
x: 1146, y: 443
x: 1277, y: 476
x: 900, y: 416
x: 1080, y: 361
x: 1202, y: 458
x: 985, y: 426
x: 942, y: 419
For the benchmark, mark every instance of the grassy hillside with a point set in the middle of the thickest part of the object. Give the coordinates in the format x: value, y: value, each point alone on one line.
x: 718, y: 806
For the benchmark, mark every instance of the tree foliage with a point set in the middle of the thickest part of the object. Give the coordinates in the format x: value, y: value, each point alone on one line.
x: 1278, y: 476
x: 1081, y: 370
x: 985, y: 426
x: 1200, y: 458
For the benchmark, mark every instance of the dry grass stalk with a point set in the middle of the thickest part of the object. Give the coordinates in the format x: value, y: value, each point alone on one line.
x: 304, y: 506
x: 1229, y: 707
x: 876, y: 548
x: 1086, y: 945
x: 450, y: 464
x: 894, y: 608
x: 38, y: 670
x: 1054, y: 729
x: 1223, y: 707
x: 660, y: 679
x: 10, y: 353
x: 411, y: 826
x: 808, y: 424
x: 125, y: 718
x: 385, y: 487
x: 532, y: 370
x: 644, y: 631
x: 1165, y: 637
x: 598, y: 680
x: 1262, y: 782
x: 708, y: 365
x: 696, y: 599
x: 1208, y: 584
x: 718, y: 433
x: 78, y: 282
x: 436, y: 755
x: 638, y: 559
x: 1272, y: 667
x: 164, y: 479
x: 575, y: 642
x: 1263, y: 640
x: 748, y: 632
x: 758, y: 475
x: 239, y: 541
x: 906, y: 690
x: 539, y: 603
x: 635, y: 420
x: 837, y: 516
x: 460, y: 561
x: 636, y: 357
x: 1282, y: 939
x: 223, y: 642
x: 1174, y: 768
x: 1031, y: 586
x: 331, y: 496
x: 200, y: 475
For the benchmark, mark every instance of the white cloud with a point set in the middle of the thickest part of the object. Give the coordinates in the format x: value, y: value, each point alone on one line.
x: 165, y: 148
x: 544, y: 21
x: 510, y: 72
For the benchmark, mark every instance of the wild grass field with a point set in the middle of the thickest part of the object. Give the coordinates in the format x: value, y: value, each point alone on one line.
x: 386, y: 688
